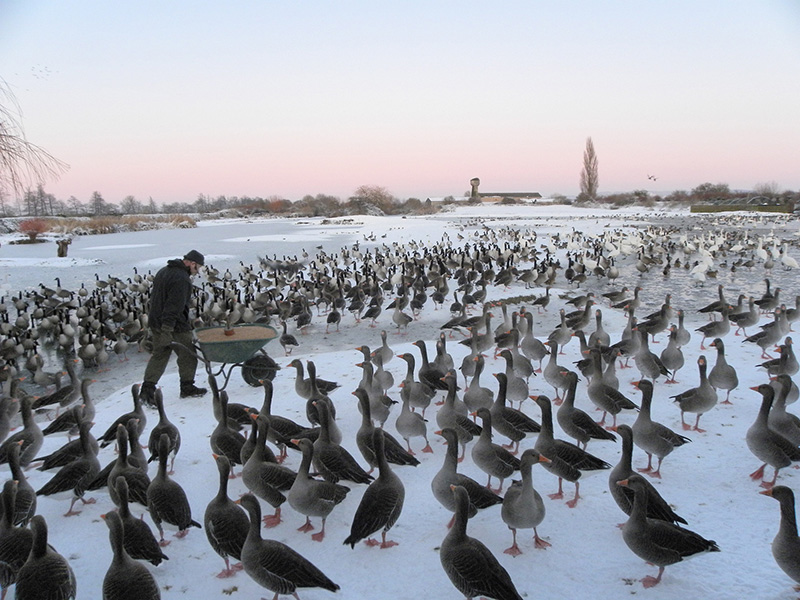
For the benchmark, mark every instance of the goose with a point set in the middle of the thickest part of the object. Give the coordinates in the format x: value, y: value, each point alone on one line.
x: 553, y: 372
x: 410, y: 424
x: 576, y: 423
x: 479, y: 496
x: 716, y: 329
x: 722, y: 375
x: 45, y: 574
x: 768, y: 446
x: 312, y: 497
x: 700, y: 399
x: 428, y: 373
x: 137, y: 413
x: 25, y: 503
x: 672, y: 356
x: 599, y: 337
x: 748, y: 318
x: 69, y: 420
x: 769, y: 335
x: 274, y: 565
x: 29, y: 438
x: 785, y: 363
x: 164, y: 425
x: 125, y: 578
x: 419, y: 393
x: 523, y: 507
x: 471, y: 567
x: 123, y: 466
x: 683, y: 335
x: 786, y: 544
x: 657, y: 507
x: 508, y: 421
x: 393, y: 450
x: 287, y: 340
x: 475, y: 395
x: 530, y: 346
x: 15, y: 541
x: 223, y: 439
x: 492, y: 459
x: 166, y: 500
x: 648, y: 363
x: 75, y: 477
x: 779, y: 420
x: 381, y: 504
x: 651, y: 436
x: 567, y: 461
x: 263, y: 476
x: 658, y: 542
x: 302, y: 385
x: 604, y: 396
x: 139, y: 542
x: 225, y: 523
x: 332, y: 461
x: 449, y: 417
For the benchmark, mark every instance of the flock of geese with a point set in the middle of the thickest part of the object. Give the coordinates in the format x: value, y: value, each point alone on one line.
x: 504, y: 430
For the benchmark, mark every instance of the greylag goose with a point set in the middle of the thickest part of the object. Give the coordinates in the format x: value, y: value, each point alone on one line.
x: 29, y: 439
x: 419, y: 393
x: 125, y: 578
x: 530, y: 345
x: 684, y: 335
x: 576, y: 423
x: 657, y: 507
x: 648, y: 363
x: 599, y: 337
x: 786, y: 544
x: 553, y: 372
x: 166, y: 500
x: 137, y: 413
x: 381, y: 504
x: 428, y: 373
x: 658, y: 542
x: 523, y: 507
x: 651, y: 436
x: 449, y: 417
x: 332, y: 461
x: 281, y: 429
x: 385, y: 352
x: 264, y: 477
x: 476, y: 396
x: 605, y: 397
x: 312, y: 412
x: 716, y: 329
x: 25, y: 504
x: 75, y: 477
x: 561, y: 335
x: 672, y: 355
x: 273, y: 564
x: 140, y: 543
x: 510, y: 422
x: 70, y: 419
x: 15, y: 541
x: 225, y: 523
x: 46, y: 574
x: 394, y: 451
x: 700, y: 399
x: 479, y: 496
x: 302, y: 385
x: 785, y: 363
x: 471, y: 567
x: 722, y: 375
x: 137, y: 479
x: 491, y: 458
x: 746, y: 319
x: 769, y: 335
x: 410, y: 424
x: 779, y: 420
x: 768, y: 446
x: 287, y: 340
x: 566, y: 459
x: 312, y: 497
x: 516, y: 387
x: 224, y: 440
x: 164, y: 425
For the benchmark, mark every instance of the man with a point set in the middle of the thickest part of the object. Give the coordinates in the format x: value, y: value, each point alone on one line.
x: 168, y: 320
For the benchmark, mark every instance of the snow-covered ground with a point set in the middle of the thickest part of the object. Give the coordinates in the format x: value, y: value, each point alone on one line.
x: 706, y: 481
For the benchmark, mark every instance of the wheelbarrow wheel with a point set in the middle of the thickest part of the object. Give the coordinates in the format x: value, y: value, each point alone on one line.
x: 258, y: 368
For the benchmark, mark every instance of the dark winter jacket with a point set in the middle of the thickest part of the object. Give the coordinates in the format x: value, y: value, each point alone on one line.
x: 170, y: 296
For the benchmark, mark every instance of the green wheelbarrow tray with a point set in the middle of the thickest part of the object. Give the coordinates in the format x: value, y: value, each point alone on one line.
x: 235, y: 344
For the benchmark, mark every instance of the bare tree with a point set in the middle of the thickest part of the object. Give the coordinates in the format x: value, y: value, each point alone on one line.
x: 589, y: 174
x: 21, y: 162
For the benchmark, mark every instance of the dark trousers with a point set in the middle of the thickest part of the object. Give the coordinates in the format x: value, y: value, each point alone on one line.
x: 187, y: 361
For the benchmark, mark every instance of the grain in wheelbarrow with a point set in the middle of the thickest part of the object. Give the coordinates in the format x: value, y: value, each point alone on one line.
x: 218, y: 334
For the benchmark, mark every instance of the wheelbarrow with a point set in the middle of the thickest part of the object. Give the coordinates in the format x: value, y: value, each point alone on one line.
x: 238, y: 346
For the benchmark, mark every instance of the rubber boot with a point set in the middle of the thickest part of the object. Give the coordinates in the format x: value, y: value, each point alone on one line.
x: 147, y: 393
x: 190, y: 390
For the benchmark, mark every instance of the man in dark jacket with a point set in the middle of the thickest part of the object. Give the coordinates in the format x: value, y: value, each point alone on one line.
x: 168, y: 321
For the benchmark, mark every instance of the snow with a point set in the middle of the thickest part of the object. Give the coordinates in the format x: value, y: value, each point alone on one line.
x: 706, y: 481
